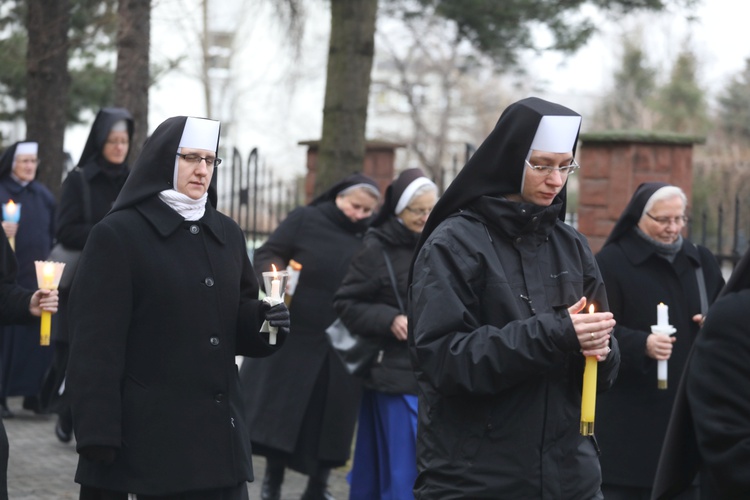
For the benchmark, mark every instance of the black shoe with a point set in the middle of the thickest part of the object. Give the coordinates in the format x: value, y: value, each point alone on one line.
x: 6, y: 413
x: 62, y: 434
x: 271, y: 487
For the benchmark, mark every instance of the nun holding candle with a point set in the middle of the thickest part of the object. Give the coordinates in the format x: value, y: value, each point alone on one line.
x: 165, y: 297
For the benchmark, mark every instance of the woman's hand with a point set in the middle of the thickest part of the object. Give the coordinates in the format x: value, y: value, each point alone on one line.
x: 592, y: 329
x: 399, y: 327
x: 42, y: 299
x: 659, y: 347
x: 10, y: 229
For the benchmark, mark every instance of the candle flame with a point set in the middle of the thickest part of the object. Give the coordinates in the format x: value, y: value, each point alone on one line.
x: 274, y: 270
x: 10, y: 206
x: 591, y: 308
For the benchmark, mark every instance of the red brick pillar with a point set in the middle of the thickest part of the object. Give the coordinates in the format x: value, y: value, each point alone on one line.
x: 380, y: 157
x: 613, y: 164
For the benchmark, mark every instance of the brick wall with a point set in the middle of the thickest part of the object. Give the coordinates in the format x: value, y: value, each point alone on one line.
x: 613, y: 164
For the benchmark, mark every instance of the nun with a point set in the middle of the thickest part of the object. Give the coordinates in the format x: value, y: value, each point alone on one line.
x: 302, y: 404
x: 496, y: 340
x: 87, y: 194
x: 163, y: 300
x: 372, y: 302
x: 645, y: 262
x: 30, y: 227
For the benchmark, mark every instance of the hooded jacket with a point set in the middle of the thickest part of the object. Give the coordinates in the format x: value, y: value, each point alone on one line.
x: 496, y: 355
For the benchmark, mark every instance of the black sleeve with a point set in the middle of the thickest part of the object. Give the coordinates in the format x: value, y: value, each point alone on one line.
x: 279, y: 249
x: 717, y: 383
x: 359, y: 301
x: 14, y: 299
x: 72, y: 228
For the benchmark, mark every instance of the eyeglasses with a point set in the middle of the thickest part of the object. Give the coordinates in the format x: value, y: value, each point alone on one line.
x: 211, y: 161
x: 117, y: 143
x: 665, y: 221
x: 421, y: 212
x: 545, y: 170
x: 33, y: 161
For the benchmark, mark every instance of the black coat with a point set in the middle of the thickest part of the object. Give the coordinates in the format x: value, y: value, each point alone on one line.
x: 497, y: 358
x: 633, y: 416
x: 367, y: 304
x: 278, y: 390
x: 158, y: 310
x: 717, y: 382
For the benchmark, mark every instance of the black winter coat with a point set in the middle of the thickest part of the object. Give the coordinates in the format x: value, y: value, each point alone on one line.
x: 278, y: 390
x: 158, y: 310
x: 367, y: 304
x: 633, y: 416
x: 497, y: 358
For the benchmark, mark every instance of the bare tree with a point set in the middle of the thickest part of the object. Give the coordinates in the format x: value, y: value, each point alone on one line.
x: 350, y: 55
x: 132, y: 78
x: 48, y: 84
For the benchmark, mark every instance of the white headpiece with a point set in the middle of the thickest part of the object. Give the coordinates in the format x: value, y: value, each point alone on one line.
x: 26, y: 148
x: 556, y: 134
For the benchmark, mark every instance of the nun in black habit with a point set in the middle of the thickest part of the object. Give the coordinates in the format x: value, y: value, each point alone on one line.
x: 24, y: 362
x: 302, y: 404
x: 496, y: 342
x: 87, y: 195
x: 164, y: 299
x: 646, y: 262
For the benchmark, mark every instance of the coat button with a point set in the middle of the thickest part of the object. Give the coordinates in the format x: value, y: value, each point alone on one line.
x: 208, y: 281
x: 219, y: 397
x: 214, y: 340
x: 195, y: 229
x: 519, y: 240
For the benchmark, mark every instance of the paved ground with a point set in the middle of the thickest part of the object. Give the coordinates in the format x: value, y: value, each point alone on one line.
x: 42, y: 468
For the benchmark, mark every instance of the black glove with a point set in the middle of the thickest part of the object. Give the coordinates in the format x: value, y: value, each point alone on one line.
x: 102, y: 454
x: 278, y: 316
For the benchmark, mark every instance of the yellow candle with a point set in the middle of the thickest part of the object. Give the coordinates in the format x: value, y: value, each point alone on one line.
x: 48, y: 282
x: 588, y: 394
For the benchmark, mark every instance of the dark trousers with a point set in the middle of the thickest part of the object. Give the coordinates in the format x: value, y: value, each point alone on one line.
x: 615, y: 492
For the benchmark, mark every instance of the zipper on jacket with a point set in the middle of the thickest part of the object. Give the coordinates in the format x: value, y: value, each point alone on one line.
x: 528, y: 301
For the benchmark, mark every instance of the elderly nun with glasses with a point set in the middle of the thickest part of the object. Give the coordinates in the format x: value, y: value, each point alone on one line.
x: 496, y: 338
x: 163, y: 300
x: 646, y: 261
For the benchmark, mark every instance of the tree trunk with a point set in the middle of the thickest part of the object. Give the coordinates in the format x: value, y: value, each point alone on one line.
x: 47, y: 85
x: 132, y: 78
x: 350, y: 55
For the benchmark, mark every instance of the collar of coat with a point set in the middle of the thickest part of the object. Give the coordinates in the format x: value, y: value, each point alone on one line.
x: 166, y: 221
x: 638, y: 250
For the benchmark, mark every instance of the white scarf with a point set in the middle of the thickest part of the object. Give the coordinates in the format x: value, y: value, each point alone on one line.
x: 184, y: 205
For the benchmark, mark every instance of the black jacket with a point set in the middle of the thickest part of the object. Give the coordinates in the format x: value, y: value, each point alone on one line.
x: 633, y: 415
x: 497, y: 358
x: 279, y: 390
x: 367, y: 304
x: 159, y: 308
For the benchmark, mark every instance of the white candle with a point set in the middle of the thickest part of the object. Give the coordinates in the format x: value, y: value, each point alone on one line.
x: 662, y: 315
x: 276, y: 289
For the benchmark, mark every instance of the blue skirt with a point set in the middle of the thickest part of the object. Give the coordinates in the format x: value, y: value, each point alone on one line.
x: 385, y: 463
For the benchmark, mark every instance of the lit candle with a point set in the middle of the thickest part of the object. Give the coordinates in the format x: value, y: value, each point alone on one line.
x: 662, y: 314
x: 48, y: 277
x: 12, y: 213
x: 588, y: 393
x: 275, y: 284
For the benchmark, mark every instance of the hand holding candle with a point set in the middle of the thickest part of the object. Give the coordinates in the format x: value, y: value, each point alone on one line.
x: 12, y: 214
x: 588, y: 393
x: 275, y: 283
x: 48, y: 277
x: 662, y: 327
